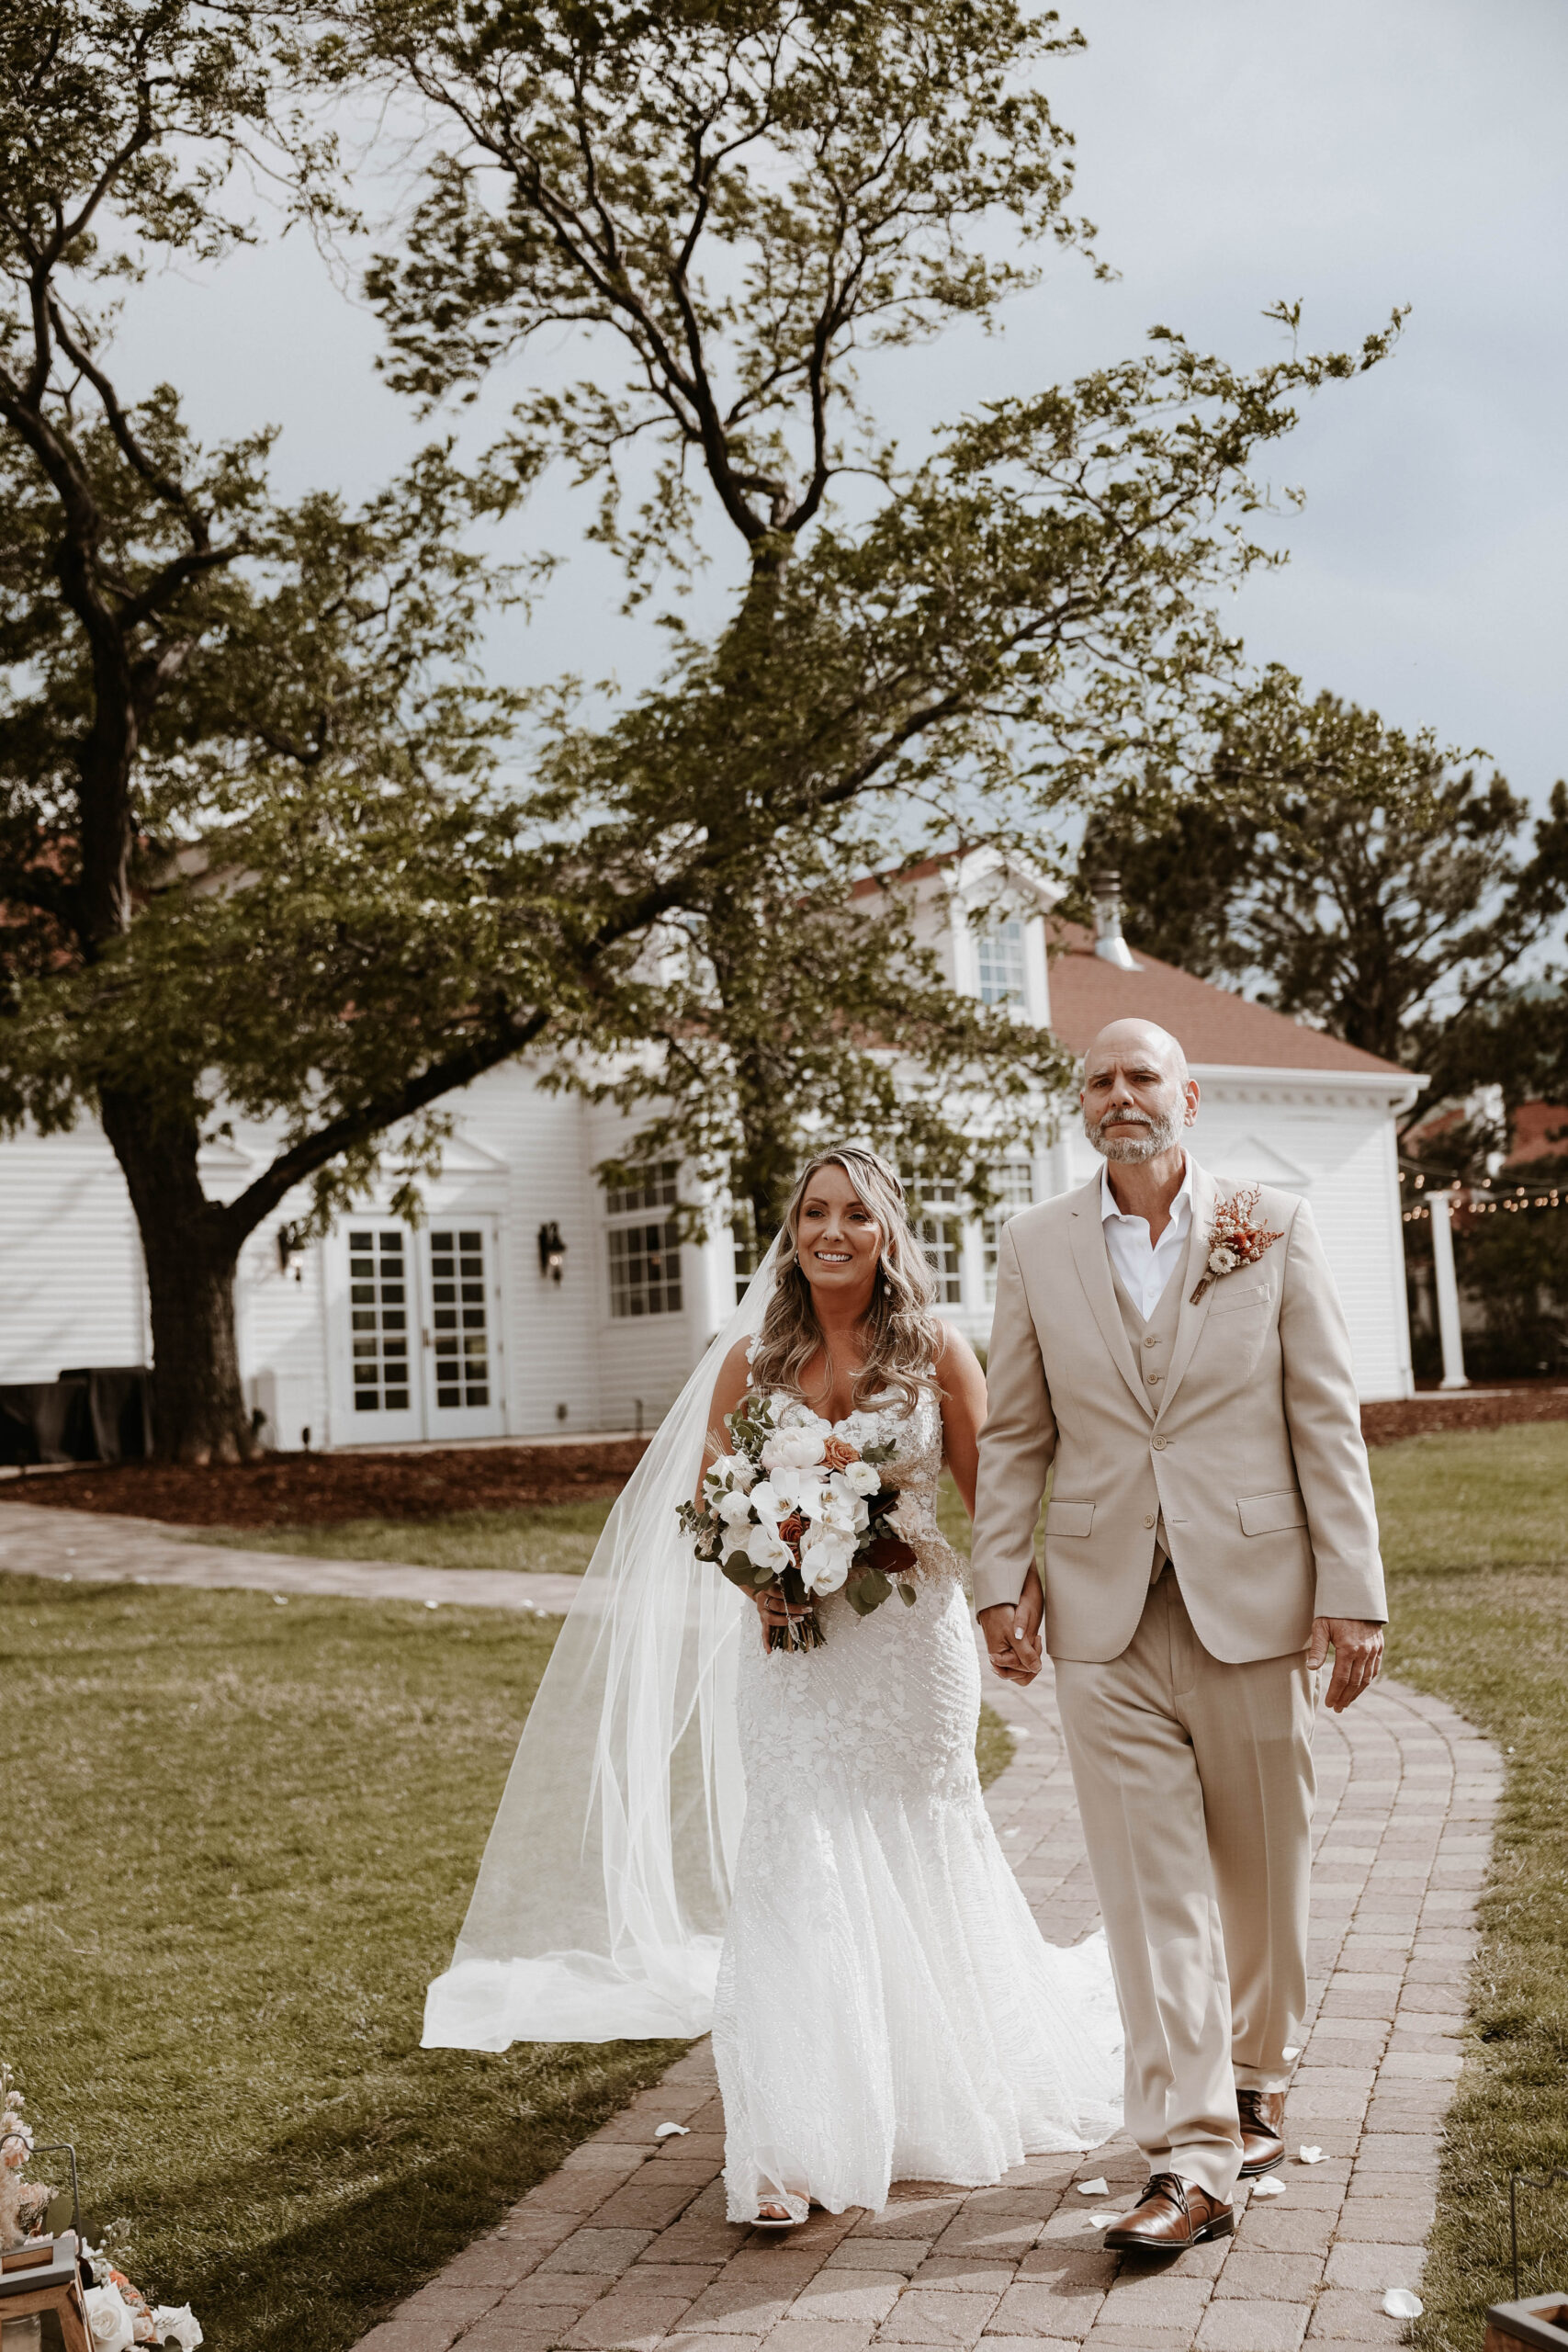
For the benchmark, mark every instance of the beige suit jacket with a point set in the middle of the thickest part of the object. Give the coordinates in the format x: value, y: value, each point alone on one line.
x: 1252, y: 1448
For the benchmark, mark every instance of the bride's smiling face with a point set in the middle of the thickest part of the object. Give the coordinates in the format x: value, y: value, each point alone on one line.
x: 838, y: 1239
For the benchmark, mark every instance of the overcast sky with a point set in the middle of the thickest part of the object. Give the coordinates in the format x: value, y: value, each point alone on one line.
x: 1357, y: 153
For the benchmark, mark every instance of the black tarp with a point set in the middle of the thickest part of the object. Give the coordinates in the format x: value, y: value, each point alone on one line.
x: 92, y: 1414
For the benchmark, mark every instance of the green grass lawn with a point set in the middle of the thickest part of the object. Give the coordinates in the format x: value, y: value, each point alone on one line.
x: 240, y: 1840
x: 555, y: 1539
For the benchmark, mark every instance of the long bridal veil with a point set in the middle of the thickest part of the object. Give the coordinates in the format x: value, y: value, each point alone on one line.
x: 601, y: 1901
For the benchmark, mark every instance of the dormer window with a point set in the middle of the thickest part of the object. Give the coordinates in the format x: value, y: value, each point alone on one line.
x: 1002, y: 962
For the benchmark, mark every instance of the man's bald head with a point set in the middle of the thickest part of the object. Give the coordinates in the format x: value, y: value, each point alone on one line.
x: 1121, y: 1038
x: 1137, y: 1094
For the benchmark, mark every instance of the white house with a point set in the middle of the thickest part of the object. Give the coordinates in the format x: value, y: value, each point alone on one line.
x: 474, y: 1325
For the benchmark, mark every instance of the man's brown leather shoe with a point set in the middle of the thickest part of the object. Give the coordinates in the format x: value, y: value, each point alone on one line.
x: 1170, y: 2214
x: 1262, y: 2130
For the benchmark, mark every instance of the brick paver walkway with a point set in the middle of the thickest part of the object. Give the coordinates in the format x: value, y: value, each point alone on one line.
x: 625, y: 2248
x: 99, y: 1547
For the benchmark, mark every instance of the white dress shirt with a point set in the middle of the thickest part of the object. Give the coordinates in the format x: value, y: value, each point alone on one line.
x: 1143, y: 1266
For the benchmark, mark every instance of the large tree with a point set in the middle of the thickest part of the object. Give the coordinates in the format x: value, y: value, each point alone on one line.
x: 730, y: 207
x: 1358, y: 874
x: 250, y: 855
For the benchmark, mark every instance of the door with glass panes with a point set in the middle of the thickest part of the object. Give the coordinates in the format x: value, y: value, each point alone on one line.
x: 423, y: 1331
x: 461, y: 1329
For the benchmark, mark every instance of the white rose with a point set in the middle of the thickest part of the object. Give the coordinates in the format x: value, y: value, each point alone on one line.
x: 109, y: 2320
x: 765, y: 1548
x: 742, y: 1472
x: 180, y: 2322
x: 734, y: 1508
x: 861, y: 1477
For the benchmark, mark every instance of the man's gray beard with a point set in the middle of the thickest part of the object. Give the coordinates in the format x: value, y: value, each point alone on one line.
x: 1131, y: 1151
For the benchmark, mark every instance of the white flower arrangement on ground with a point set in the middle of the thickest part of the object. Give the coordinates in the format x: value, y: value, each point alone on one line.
x: 800, y: 1509
x: 118, y: 2315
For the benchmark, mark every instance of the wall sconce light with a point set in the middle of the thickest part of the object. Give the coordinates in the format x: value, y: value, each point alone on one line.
x: 552, y: 1250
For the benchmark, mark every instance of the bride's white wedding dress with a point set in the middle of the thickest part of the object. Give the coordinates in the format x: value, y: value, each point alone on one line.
x: 886, y: 2007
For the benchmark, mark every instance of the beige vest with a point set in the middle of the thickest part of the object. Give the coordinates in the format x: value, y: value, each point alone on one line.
x: 1152, y: 1343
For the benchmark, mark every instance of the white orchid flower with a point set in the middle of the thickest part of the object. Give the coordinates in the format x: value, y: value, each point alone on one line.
x: 767, y: 1502
x: 839, y: 1511
x: 825, y: 1559
x: 765, y: 1548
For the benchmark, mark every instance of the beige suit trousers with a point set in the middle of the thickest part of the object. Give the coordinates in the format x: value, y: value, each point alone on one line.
x: 1195, y: 1786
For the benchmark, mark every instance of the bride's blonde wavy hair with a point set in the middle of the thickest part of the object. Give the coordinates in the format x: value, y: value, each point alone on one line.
x: 902, y: 1334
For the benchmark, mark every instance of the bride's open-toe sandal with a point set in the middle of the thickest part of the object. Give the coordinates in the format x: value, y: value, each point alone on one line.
x: 778, y: 2216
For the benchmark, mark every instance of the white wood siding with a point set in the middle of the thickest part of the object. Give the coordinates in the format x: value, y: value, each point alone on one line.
x: 72, y: 1289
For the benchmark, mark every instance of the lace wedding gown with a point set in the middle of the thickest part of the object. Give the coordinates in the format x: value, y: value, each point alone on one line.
x: 886, y: 2007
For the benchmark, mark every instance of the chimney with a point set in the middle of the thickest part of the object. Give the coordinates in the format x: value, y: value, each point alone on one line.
x: 1106, y: 891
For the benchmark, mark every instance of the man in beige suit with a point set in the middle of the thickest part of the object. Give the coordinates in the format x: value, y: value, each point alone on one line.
x: 1211, y: 1535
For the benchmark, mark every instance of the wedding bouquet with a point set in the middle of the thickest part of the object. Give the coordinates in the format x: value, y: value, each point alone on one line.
x: 797, y: 1508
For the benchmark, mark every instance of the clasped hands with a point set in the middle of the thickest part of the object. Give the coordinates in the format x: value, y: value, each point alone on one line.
x: 1011, y: 1630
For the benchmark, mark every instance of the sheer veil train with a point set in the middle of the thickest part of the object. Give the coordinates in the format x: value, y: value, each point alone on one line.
x: 601, y: 1901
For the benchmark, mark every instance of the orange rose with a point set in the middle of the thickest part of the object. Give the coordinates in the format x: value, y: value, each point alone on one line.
x: 838, y: 1453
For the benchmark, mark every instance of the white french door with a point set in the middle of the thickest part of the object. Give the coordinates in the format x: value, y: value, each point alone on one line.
x: 385, y: 1398
x: 461, y: 1331
x: 422, y: 1328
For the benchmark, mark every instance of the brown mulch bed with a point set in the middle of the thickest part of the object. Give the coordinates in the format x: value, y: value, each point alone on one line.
x: 320, y: 1489
x: 1459, y: 1410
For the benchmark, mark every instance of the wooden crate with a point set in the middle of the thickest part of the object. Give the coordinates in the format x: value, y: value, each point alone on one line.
x: 1537, y: 2324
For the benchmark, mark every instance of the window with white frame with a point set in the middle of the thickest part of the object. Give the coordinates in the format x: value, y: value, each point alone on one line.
x: 938, y: 1230
x: 1002, y: 962
x: 1014, y: 1183
x: 644, y: 1245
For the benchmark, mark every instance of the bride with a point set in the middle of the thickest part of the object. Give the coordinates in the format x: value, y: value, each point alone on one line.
x: 791, y: 1845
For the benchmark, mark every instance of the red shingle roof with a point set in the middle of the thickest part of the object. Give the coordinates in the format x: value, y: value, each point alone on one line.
x: 1213, y: 1025
x: 1541, y: 1132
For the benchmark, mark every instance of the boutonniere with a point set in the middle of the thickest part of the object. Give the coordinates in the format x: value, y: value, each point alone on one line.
x: 1234, y: 1239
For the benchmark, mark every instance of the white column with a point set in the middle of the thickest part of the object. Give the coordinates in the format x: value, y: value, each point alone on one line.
x: 1442, y: 1205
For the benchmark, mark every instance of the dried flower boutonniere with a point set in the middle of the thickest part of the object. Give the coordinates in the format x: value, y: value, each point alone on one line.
x: 1234, y: 1239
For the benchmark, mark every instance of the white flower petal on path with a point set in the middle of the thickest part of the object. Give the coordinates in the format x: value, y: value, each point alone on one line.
x: 1400, y: 2303
x: 671, y: 2130
x: 1268, y: 2186
x: 1310, y: 2156
x: 1094, y: 2189
x: 1292, y: 2049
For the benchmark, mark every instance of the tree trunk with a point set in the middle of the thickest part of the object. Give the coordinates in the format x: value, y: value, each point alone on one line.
x: 199, y: 1409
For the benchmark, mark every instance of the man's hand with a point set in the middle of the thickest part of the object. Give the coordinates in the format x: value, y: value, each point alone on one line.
x: 1012, y: 1629
x: 1358, y: 1657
